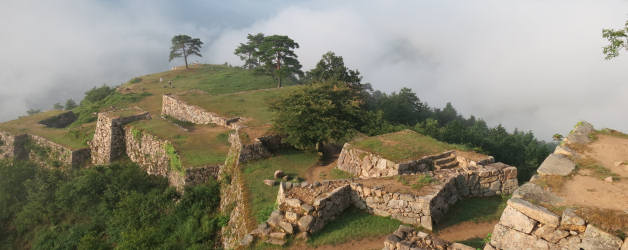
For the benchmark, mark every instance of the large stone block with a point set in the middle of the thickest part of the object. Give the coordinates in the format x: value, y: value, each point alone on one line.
x: 506, y: 238
x: 535, y: 212
x: 514, y: 219
x: 571, y: 221
x: 597, y: 239
x: 556, y: 164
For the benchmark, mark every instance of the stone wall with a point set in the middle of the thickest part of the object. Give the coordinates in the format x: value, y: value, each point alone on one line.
x: 306, y: 208
x: 53, y: 155
x: 233, y: 200
x: 180, y: 110
x: 365, y: 164
x: 261, y: 148
x: 406, y: 237
x: 12, y: 146
x: 108, y: 143
x: 150, y: 153
x: 59, y: 121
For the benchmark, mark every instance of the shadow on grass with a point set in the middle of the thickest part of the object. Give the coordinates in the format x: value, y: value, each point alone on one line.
x: 477, y: 243
x: 353, y: 224
x: 475, y: 210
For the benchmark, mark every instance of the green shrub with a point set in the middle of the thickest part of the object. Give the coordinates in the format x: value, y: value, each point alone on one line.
x: 175, y: 161
x: 135, y: 80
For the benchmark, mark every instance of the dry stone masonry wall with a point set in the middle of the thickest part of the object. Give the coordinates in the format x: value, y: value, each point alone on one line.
x: 108, y: 143
x: 305, y: 208
x: 180, y: 110
x: 12, y: 146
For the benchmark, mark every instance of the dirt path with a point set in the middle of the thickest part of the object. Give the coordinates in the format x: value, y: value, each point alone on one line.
x: 363, y: 244
x: 319, y: 173
x: 611, y: 150
x: 466, y: 230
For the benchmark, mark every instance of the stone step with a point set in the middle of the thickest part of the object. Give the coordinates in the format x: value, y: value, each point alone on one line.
x: 442, y: 161
x: 452, y: 164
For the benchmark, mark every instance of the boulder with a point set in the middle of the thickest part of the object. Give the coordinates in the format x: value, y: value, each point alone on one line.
x: 278, y: 235
x: 608, y: 179
x: 535, y: 212
x: 274, y: 219
x: 531, y: 191
x: 597, y: 239
x: 556, y: 164
x: 293, y: 202
x: 246, y: 240
x: 307, y: 208
x: 625, y: 245
x: 287, y: 227
x: 571, y: 221
x: 292, y: 217
x: 514, y: 219
x: 269, y: 182
x: 278, y: 174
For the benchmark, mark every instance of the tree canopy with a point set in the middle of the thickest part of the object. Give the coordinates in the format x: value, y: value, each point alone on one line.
x: 332, y: 68
x: 617, y: 39
x: 319, y: 113
x: 184, y: 46
x: 249, y: 51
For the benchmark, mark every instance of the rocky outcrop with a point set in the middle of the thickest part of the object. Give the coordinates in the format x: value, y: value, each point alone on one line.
x: 261, y: 148
x: 59, y: 121
x: 556, y: 164
x: 580, y: 134
x: 406, y: 237
x: 178, y: 109
x: 108, y: 143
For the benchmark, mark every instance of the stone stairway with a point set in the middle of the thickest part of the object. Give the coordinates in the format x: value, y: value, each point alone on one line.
x: 445, y: 161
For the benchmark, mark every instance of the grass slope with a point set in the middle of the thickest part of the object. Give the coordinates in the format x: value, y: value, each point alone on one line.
x: 203, y: 145
x: 262, y: 198
x: 403, y: 145
x: 74, y: 138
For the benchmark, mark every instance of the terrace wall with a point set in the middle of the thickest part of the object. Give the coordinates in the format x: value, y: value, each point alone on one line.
x: 307, y: 207
x: 365, y: 164
x: 180, y: 110
x: 52, y: 155
x: 150, y: 153
x: 261, y: 148
x: 12, y: 146
x: 108, y: 143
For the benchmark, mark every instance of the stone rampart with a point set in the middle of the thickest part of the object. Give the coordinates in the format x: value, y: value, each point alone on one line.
x: 159, y: 157
x: 306, y: 208
x: 233, y: 198
x: 108, y: 143
x: 53, y: 155
x: 178, y: 109
x: 12, y: 146
x: 261, y: 148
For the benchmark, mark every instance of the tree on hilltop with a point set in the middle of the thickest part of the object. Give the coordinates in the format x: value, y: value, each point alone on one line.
x: 318, y: 114
x: 332, y: 68
x: 70, y: 104
x: 618, y: 40
x: 277, y: 54
x: 184, y: 46
x: 249, y: 51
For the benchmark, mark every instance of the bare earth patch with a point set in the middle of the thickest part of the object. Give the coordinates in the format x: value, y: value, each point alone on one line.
x: 609, y: 150
x: 319, y: 173
x: 466, y: 230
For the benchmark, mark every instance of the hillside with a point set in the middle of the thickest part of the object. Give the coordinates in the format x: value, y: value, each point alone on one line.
x: 214, y: 125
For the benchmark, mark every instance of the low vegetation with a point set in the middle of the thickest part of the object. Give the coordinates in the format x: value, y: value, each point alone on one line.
x: 353, y: 224
x: 595, y: 168
x: 403, y: 145
x: 262, y: 197
x: 477, y: 210
x: 104, y: 207
x: 417, y: 182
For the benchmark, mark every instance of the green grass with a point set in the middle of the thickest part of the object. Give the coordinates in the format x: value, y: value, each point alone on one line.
x: 403, y: 145
x: 611, y: 132
x: 596, y: 168
x: 74, y: 137
x: 336, y: 174
x: 417, y: 182
x: 204, y: 145
x: 475, y: 210
x: 262, y: 198
x: 353, y: 224
x: 251, y: 104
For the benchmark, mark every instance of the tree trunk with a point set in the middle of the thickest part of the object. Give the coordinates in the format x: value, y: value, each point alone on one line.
x: 185, y: 58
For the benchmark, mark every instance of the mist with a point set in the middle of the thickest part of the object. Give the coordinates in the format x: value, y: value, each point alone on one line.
x: 531, y: 65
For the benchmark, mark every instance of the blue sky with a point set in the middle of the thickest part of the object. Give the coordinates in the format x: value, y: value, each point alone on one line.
x: 534, y: 65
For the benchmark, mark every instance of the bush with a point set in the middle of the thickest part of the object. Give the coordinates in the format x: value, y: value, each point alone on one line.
x: 97, y: 94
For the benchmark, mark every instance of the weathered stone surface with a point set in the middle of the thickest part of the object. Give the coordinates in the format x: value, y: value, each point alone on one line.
x: 292, y: 216
x: 488, y: 247
x: 597, y: 239
x: 274, y: 219
x: 556, y: 164
x: 109, y: 137
x: 180, y: 110
x: 269, y: 182
x: 535, y: 212
x: 531, y: 191
x: 571, y: 221
x: 505, y: 238
x: 580, y: 134
x: 305, y: 223
x: 278, y: 235
x: 625, y: 245
x: 460, y: 246
x: 514, y: 219
x: 563, y: 150
x: 551, y: 234
x: 608, y: 179
x: 247, y: 240
x: 287, y: 227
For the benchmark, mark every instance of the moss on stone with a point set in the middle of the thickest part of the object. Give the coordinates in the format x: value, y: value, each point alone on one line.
x: 175, y: 161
